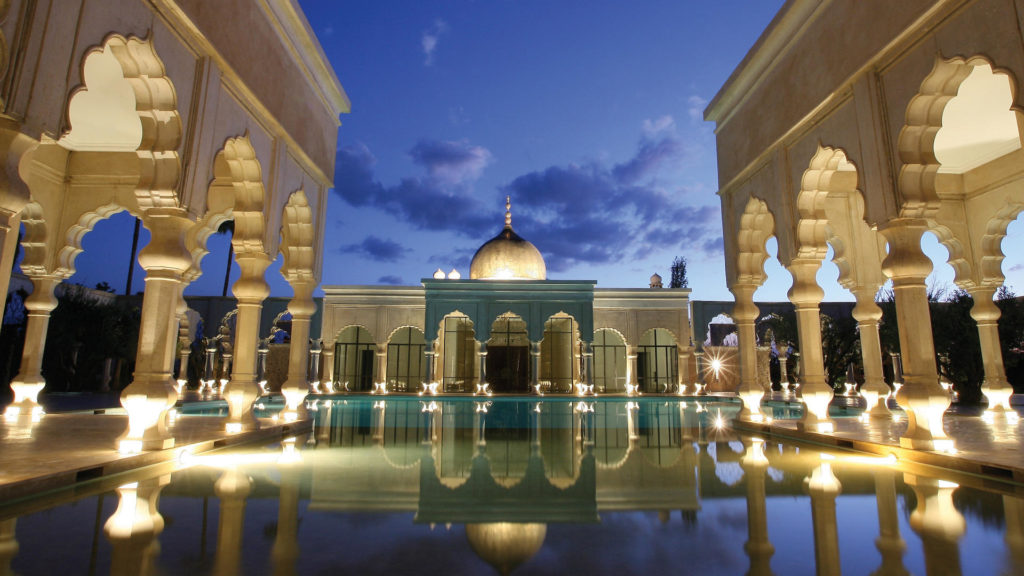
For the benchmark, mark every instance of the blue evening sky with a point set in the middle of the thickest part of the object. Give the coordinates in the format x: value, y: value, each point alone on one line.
x: 587, y: 113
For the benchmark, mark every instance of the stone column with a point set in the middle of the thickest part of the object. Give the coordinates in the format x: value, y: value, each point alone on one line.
x: 938, y: 523
x: 868, y: 315
x: 296, y: 386
x: 535, y: 366
x: 632, y: 377
x: 758, y: 547
x: 233, y: 487
x: 744, y: 313
x: 250, y: 291
x: 315, y: 349
x: 921, y: 395
x: 986, y: 314
x: 328, y: 375
x: 889, y: 542
x: 134, y: 527
x: 430, y: 354
x: 29, y: 381
x: 784, y: 370
x: 683, y: 378
x: 588, y: 366
x: 151, y: 394
x: 806, y: 295
x: 824, y: 487
x: 10, y: 225
x: 382, y: 364
x: 184, y: 336
x: 482, y: 358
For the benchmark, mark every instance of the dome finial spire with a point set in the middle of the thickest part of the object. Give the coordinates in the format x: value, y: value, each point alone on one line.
x: 508, y: 211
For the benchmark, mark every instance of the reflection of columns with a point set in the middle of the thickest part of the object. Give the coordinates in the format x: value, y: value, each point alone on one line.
x: 889, y: 542
x: 147, y: 399
x: 744, y: 313
x: 823, y: 487
x: 286, y: 544
x: 875, y: 391
x: 986, y: 314
x: 232, y: 488
x: 806, y: 295
x: 921, y: 395
x: 8, y: 546
x: 758, y: 547
x: 133, y: 528
x: 1013, y: 511
x: 938, y: 523
x: 29, y: 380
x: 250, y: 290
x: 482, y: 358
x: 534, y: 365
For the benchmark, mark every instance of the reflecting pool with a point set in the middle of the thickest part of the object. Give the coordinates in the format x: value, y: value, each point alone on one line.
x: 460, y: 486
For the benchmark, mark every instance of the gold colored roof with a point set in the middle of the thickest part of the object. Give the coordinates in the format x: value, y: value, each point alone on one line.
x: 508, y: 256
x: 506, y: 545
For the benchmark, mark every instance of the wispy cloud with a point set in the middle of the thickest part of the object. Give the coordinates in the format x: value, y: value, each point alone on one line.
x: 451, y: 163
x: 695, y: 108
x: 390, y: 279
x: 430, y: 38
x: 379, y: 249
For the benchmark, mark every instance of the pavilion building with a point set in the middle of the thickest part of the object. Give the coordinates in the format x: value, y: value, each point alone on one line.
x: 507, y: 329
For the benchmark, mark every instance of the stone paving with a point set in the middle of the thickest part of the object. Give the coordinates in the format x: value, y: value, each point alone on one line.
x: 63, y: 450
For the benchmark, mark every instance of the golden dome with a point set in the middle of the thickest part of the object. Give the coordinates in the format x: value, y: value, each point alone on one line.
x: 506, y: 545
x: 508, y: 256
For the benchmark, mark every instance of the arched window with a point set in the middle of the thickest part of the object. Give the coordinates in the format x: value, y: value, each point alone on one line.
x: 407, y: 366
x: 508, y: 355
x: 657, y: 361
x: 458, y: 353
x: 609, y: 361
x: 354, y: 358
x: 556, y: 353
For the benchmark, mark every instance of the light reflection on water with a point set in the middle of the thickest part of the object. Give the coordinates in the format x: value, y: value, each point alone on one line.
x: 557, y: 487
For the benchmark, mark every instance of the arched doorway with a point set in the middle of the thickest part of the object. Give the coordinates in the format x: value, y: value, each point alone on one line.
x: 557, y: 353
x: 657, y: 361
x: 609, y: 361
x: 508, y: 356
x: 407, y: 368
x: 354, y: 359
x: 458, y: 353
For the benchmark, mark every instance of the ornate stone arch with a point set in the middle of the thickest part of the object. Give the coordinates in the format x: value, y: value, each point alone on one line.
x: 237, y: 193
x: 34, y: 241
x: 159, y: 166
x: 757, y: 225
x: 76, y: 234
x: 992, y: 243
x: 297, y: 233
x: 916, y: 141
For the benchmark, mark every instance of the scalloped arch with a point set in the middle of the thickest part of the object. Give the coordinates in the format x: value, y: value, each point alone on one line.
x: 992, y: 243
x: 77, y: 232
x: 297, y: 233
x: 757, y: 225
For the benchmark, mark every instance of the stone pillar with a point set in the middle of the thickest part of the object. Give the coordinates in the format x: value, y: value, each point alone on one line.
x: 683, y: 377
x: 744, y: 313
x: 938, y: 523
x: 233, y: 487
x: 986, y: 314
x: 10, y: 225
x: 184, y: 335
x: 151, y: 394
x: 824, y: 487
x: 134, y: 527
x: 784, y: 370
x: 382, y: 364
x: 296, y: 386
x: 921, y: 395
x: 535, y: 366
x: 29, y: 380
x: 328, y: 375
x: 631, y: 376
x: 889, y: 542
x: 482, y: 358
x: 806, y: 295
x: 430, y: 354
x: 250, y: 291
x: 868, y: 315
x: 588, y: 365
x: 758, y: 547
x: 315, y: 349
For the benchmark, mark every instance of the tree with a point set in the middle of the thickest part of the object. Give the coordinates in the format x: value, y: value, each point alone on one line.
x: 104, y: 287
x: 1011, y: 335
x: 228, y: 227
x: 679, y: 279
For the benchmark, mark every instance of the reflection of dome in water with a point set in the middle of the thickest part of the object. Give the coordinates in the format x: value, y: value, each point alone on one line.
x: 508, y: 256
x: 506, y: 545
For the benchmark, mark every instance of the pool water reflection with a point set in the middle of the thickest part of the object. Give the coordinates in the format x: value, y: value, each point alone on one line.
x: 461, y: 486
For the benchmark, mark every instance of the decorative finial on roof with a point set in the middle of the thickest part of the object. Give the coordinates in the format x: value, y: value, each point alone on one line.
x: 508, y: 211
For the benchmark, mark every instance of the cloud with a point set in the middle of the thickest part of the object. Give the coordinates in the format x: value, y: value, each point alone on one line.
x: 442, y: 199
x: 599, y: 212
x: 695, y: 107
x: 392, y: 280
x: 378, y: 249
x: 430, y: 38
x: 451, y: 163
